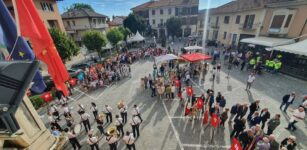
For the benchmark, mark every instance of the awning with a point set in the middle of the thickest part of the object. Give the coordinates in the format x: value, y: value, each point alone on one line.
x: 195, y: 57
x: 268, y: 41
x: 299, y: 48
x: 166, y: 57
x: 136, y: 38
x: 193, y: 48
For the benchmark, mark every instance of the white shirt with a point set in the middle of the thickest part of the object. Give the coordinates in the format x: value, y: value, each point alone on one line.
x: 51, y: 119
x: 184, y: 94
x: 123, y: 109
x: 173, y: 89
x: 119, y: 121
x: 290, y: 98
x: 135, y: 111
x: 66, y: 109
x: 71, y: 135
x: 111, y: 139
x: 108, y: 109
x: 297, y: 113
x: 251, y: 79
x: 85, y: 116
x: 92, y: 140
x: 94, y: 108
x: 129, y: 139
x: 135, y: 120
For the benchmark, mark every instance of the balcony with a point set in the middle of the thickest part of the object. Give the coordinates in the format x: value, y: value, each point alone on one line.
x: 278, y: 31
x: 214, y: 25
x: 85, y: 27
x: 248, y: 27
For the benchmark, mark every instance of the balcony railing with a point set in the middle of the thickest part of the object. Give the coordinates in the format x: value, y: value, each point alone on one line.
x: 214, y: 25
x: 93, y: 26
x: 248, y: 26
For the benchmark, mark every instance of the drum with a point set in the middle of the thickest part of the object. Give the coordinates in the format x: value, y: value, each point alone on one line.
x: 77, y: 128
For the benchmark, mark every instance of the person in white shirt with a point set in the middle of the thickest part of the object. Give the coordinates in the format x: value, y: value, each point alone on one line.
x: 119, y: 125
x: 135, y: 123
x: 85, y: 118
x: 129, y: 140
x: 81, y: 108
x: 251, y: 78
x: 298, y: 114
x: 123, y: 113
x: 173, y: 90
x: 54, y: 122
x: 93, y: 141
x: 108, y: 112
x: 94, y: 109
x: 112, y: 141
x: 72, y: 139
x: 136, y: 111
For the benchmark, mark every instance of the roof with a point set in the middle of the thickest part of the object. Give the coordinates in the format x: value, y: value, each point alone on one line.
x: 238, y: 5
x: 296, y: 48
x: 81, y: 13
x: 203, y: 11
x: 161, y: 3
x: 267, y: 41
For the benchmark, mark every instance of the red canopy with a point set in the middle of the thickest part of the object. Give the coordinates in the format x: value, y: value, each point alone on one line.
x: 195, y: 57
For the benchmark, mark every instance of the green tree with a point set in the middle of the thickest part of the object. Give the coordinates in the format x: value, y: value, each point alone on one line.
x: 79, y: 6
x: 173, y: 26
x: 94, y: 40
x: 65, y: 45
x: 134, y: 23
x: 114, y: 36
x: 125, y: 32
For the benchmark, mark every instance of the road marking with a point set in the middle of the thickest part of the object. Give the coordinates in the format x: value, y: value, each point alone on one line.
x: 173, y: 127
x: 205, y: 146
x: 87, y: 95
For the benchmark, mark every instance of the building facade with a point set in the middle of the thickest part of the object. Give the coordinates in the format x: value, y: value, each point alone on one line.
x: 235, y: 20
x: 77, y: 21
x: 156, y: 13
x: 117, y: 21
x: 48, y: 11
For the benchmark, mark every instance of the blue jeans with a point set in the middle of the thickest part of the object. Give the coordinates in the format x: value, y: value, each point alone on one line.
x: 291, y: 125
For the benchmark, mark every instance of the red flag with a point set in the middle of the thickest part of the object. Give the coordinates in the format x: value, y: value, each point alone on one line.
x: 190, y: 91
x: 187, y: 111
x: 215, y: 120
x: 206, y: 117
x: 200, y: 103
x: 177, y: 83
x: 32, y: 27
x: 235, y: 145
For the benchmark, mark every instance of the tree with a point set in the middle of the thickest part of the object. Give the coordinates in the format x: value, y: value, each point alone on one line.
x: 134, y: 23
x: 173, y: 26
x: 65, y: 45
x: 94, y: 40
x: 125, y: 32
x: 114, y: 36
x: 80, y: 6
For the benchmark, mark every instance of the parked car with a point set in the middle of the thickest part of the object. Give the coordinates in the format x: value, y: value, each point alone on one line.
x: 73, y: 73
x: 80, y: 66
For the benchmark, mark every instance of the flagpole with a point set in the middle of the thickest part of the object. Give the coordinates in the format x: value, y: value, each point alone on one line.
x: 16, y: 17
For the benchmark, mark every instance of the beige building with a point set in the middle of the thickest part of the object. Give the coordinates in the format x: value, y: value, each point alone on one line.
x: 77, y: 21
x: 48, y: 11
x: 201, y: 22
x: 157, y: 12
x: 236, y: 20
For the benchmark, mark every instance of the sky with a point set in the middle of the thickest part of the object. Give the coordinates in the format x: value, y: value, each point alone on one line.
x: 122, y: 7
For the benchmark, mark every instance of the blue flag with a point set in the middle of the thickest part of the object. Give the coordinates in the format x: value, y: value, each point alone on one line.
x: 17, y: 45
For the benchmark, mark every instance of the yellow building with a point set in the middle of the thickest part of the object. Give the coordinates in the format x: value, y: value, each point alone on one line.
x: 77, y: 21
x: 48, y: 11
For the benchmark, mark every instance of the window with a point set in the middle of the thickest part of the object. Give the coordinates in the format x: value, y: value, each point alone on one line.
x: 153, y: 21
x: 226, y: 19
x: 288, y: 21
x: 153, y: 12
x: 99, y: 21
x: 74, y: 23
x: 94, y: 21
x: 68, y: 23
x: 225, y: 34
x: 169, y: 11
x: 234, y: 39
x: 161, y: 21
x: 53, y: 23
x: 215, y: 35
x: 277, y: 21
x: 46, y: 6
x: 176, y: 11
x: 249, y: 21
x: 238, y: 19
x: 161, y: 11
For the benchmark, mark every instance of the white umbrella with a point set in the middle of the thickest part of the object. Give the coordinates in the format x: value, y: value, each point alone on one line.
x: 166, y: 57
x: 193, y: 48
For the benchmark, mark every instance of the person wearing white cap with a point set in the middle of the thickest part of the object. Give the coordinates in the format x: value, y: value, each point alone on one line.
x: 288, y: 143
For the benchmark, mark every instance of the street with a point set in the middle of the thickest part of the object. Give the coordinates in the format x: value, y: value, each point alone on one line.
x: 165, y: 127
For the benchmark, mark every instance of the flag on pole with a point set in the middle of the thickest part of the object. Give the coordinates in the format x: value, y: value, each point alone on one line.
x: 16, y: 46
x: 235, y: 144
x: 215, y: 120
x: 200, y: 103
x: 32, y: 27
x: 206, y: 117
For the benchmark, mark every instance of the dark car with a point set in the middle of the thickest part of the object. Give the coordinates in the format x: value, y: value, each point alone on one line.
x: 49, y: 82
x: 80, y: 66
x: 73, y: 73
